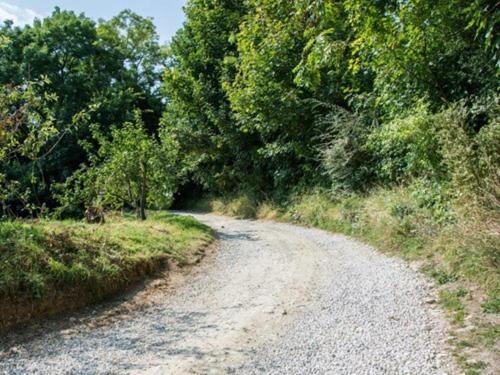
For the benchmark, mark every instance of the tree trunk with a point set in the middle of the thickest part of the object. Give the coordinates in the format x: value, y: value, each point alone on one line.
x: 142, y: 209
x: 141, y: 214
x: 141, y: 206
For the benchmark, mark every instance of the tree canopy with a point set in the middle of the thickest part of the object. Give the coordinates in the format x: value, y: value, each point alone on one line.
x: 267, y: 96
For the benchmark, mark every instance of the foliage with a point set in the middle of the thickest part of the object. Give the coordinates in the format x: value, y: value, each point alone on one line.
x: 197, y: 110
x: 97, y: 72
x: 264, y: 98
x: 345, y: 158
x: 473, y: 157
x: 132, y: 169
x: 26, y: 126
x: 389, y: 63
x: 408, y: 147
x: 134, y: 39
x: 423, y: 49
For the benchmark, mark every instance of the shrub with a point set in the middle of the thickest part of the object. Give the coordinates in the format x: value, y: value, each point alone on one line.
x: 401, y: 210
x: 434, y: 197
x: 473, y: 156
x: 345, y: 159
x: 242, y: 206
x: 408, y: 147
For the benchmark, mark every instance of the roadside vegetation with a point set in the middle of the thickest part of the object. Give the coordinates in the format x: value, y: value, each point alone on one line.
x: 52, y: 266
x: 79, y: 141
x: 465, y: 248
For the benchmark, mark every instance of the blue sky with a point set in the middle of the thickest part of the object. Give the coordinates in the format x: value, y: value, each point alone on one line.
x: 167, y: 14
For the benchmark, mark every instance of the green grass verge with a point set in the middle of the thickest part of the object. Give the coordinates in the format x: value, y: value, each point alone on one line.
x: 43, y: 258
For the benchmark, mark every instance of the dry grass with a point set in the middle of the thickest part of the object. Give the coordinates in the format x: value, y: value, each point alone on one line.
x: 239, y: 206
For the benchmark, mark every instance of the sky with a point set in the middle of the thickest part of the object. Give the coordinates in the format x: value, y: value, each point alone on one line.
x: 167, y: 14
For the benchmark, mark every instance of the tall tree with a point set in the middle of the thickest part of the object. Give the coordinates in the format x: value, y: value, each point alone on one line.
x: 425, y: 49
x: 137, y: 61
x: 197, y: 108
x: 264, y: 97
x: 26, y: 126
x: 62, y: 49
x: 99, y: 73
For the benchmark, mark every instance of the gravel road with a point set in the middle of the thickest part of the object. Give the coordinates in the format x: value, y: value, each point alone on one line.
x: 274, y: 299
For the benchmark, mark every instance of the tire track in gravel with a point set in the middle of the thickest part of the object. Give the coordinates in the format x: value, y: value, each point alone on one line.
x: 275, y: 299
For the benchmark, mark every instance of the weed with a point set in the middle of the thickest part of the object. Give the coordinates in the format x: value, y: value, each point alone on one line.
x: 492, y: 305
x: 401, y: 210
x: 441, y: 276
x: 489, y: 335
x: 451, y: 300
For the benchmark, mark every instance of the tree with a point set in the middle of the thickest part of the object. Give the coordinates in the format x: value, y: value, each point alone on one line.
x: 136, y: 169
x: 265, y: 98
x: 197, y: 108
x: 26, y: 126
x: 137, y: 62
x: 63, y: 49
x: 421, y: 49
x: 98, y: 72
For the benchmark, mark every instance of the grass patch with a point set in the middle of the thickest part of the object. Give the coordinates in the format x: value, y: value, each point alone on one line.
x: 451, y: 300
x: 474, y: 368
x: 492, y: 305
x: 489, y: 335
x: 40, y: 259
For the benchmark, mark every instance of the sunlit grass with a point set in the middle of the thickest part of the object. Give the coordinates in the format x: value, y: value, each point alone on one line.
x: 36, y: 257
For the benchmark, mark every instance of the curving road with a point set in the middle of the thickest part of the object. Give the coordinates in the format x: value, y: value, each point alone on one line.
x: 274, y: 299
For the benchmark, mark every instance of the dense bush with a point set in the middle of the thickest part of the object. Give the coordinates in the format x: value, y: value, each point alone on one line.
x: 346, y: 160
x: 472, y: 156
x: 408, y: 147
